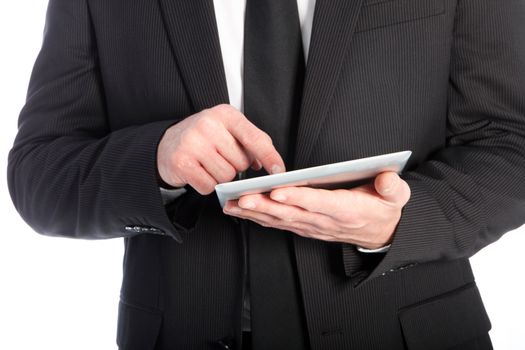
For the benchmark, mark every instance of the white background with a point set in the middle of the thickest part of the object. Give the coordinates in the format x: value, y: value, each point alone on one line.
x: 62, y: 294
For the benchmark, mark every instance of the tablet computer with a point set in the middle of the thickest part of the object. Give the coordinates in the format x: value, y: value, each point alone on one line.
x: 336, y: 175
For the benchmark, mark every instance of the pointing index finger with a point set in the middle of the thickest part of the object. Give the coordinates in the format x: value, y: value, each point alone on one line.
x: 256, y: 142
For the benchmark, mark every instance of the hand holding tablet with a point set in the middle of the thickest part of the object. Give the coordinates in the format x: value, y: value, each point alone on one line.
x: 348, y: 173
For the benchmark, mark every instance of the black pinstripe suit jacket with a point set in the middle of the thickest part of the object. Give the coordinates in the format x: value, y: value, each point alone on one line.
x: 444, y: 78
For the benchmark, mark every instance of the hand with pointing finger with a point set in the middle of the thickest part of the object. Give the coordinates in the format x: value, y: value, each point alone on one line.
x: 211, y: 147
x: 366, y: 216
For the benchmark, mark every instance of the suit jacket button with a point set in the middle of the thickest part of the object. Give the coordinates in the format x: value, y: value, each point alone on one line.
x: 226, y: 343
x: 157, y: 231
x: 144, y: 229
x: 133, y: 229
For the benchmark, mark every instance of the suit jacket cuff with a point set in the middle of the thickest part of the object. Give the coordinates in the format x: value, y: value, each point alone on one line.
x: 419, y: 237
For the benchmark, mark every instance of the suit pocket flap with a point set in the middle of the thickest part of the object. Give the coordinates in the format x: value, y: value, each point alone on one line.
x: 446, y: 320
x: 381, y: 13
x: 138, y: 328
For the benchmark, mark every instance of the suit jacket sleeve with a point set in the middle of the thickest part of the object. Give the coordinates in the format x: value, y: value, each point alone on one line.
x: 471, y: 192
x: 69, y: 173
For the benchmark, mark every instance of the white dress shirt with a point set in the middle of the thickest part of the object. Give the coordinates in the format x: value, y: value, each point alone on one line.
x: 230, y: 25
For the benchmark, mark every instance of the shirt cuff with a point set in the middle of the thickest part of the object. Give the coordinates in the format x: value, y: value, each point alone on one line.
x: 378, y: 250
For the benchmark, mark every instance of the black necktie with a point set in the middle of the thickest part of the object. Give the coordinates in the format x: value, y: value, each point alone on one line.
x: 273, y: 77
x: 274, y: 67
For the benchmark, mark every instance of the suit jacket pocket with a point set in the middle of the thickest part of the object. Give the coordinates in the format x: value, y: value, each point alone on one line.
x: 138, y: 328
x: 445, y: 321
x: 382, y: 13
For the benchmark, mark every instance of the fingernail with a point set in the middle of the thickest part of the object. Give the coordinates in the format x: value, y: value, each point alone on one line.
x: 258, y: 165
x: 276, y: 169
x: 278, y: 197
x: 247, y: 205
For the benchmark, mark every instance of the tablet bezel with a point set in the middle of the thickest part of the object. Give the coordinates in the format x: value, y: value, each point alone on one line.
x: 348, y: 173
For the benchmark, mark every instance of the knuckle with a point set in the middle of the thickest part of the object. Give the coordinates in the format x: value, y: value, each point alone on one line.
x: 226, y: 175
x: 201, y: 190
x: 226, y: 112
x: 205, y: 188
x: 242, y: 163
x: 209, y: 189
x: 206, y: 125
x: 197, y: 186
x: 188, y: 138
x: 230, y: 173
x: 182, y: 162
x: 262, y: 137
x: 256, y: 137
x: 222, y: 108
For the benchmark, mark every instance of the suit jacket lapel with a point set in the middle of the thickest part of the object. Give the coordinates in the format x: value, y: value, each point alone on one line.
x: 192, y: 30
x: 333, y: 27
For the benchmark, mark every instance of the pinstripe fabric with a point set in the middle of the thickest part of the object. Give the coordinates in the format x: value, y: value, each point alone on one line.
x: 195, y: 42
x: 443, y: 78
x: 380, y: 14
x: 335, y: 21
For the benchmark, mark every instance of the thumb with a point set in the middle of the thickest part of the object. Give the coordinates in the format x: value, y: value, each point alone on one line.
x: 392, y: 188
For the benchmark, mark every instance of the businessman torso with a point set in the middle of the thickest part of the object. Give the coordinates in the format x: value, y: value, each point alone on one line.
x: 377, y: 81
